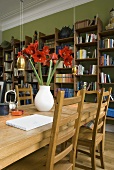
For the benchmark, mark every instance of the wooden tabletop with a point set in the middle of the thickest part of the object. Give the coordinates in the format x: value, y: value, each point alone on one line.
x: 16, y: 143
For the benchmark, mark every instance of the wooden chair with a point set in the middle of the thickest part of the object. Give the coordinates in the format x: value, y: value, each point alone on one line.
x: 63, y: 129
x: 90, y: 139
x: 24, y: 94
x: 92, y: 92
x: 94, y: 95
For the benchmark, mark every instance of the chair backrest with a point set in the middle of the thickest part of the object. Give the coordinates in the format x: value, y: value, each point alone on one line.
x: 99, y: 125
x: 24, y: 94
x: 65, y: 128
x: 96, y: 92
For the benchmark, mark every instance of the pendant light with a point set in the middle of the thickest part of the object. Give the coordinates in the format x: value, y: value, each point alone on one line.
x: 21, y: 60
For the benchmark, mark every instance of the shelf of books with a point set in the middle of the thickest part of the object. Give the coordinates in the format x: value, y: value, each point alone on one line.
x: 63, y: 80
x: 106, y: 64
x: 86, y: 56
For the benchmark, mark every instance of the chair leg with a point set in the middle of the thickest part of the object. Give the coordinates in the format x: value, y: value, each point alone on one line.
x: 101, y: 154
x: 93, y: 157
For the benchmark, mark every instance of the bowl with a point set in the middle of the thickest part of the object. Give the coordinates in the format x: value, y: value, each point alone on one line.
x: 17, y: 112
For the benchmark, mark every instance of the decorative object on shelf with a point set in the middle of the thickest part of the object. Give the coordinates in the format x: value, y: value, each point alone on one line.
x: 5, y: 44
x: 44, y: 99
x: 65, y: 32
x: 75, y: 70
x: 43, y: 58
x: 35, y: 36
x: 11, y: 96
x: 94, y: 20
x: 111, y: 21
x: 12, y: 41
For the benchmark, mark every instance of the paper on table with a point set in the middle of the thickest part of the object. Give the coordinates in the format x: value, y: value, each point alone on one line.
x: 30, y: 122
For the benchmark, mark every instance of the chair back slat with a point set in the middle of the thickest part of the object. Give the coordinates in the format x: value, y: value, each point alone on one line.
x: 63, y: 153
x: 24, y: 94
x: 65, y: 137
x: 72, y: 100
x: 65, y: 128
x: 68, y: 119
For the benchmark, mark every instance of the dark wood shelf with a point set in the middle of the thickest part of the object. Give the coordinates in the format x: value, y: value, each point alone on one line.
x: 69, y: 39
x: 87, y: 29
x: 31, y: 82
x: 31, y: 70
x: 8, y: 61
x: 87, y: 59
x: 84, y: 75
x: 106, y: 83
x: 8, y: 50
x: 67, y: 68
x: 110, y: 66
x: 87, y: 44
x: 64, y: 82
x: 110, y: 118
x: 106, y: 49
x: 8, y: 71
x: 111, y: 101
x: 9, y: 82
x: 46, y: 37
x: 107, y: 33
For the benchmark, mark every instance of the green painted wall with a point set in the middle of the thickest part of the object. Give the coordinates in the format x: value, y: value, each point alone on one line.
x: 48, y: 24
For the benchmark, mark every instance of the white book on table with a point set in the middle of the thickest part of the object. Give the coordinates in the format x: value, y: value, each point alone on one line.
x: 30, y: 122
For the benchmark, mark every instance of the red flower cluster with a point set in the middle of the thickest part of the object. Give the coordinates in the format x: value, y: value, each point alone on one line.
x: 44, y: 57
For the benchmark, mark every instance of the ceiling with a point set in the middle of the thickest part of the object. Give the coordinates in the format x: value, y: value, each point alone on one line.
x: 32, y: 10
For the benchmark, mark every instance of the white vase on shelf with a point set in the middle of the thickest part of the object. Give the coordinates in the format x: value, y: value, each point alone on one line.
x: 44, y: 100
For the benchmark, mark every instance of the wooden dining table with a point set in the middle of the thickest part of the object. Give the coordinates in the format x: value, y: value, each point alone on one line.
x: 16, y: 143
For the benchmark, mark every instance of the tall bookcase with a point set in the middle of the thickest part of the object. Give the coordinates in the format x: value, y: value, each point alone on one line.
x: 106, y: 62
x: 11, y: 74
x: 86, y: 56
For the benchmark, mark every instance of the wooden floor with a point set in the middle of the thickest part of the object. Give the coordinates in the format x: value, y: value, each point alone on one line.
x: 108, y: 154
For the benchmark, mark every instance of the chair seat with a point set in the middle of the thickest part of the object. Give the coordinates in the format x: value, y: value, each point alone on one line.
x: 37, y: 161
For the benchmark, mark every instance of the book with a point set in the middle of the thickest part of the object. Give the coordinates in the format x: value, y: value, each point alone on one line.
x: 111, y: 97
x: 30, y: 122
x: 109, y: 79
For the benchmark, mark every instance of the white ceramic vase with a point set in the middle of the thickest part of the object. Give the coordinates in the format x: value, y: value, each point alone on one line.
x: 44, y: 100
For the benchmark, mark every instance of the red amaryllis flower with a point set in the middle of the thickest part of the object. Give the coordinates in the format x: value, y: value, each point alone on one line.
x: 36, y: 45
x: 19, y: 54
x: 31, y: 49
x: 47, y: 62
x: 54, y: 57
x: 65, y: 52
x: 68, y: 60
x: 39, y: 56
x: 46, y: 50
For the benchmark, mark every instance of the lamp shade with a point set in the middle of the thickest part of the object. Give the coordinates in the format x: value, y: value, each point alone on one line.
x: 21, y: 63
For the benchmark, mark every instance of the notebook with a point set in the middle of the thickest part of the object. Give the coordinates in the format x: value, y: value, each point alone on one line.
x: 30, y: 122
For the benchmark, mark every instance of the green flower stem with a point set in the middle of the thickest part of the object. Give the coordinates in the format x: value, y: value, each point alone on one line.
x: 52, y: 73
x: 40, y: 72
x: 35, y: 72
x: 48, y: 79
